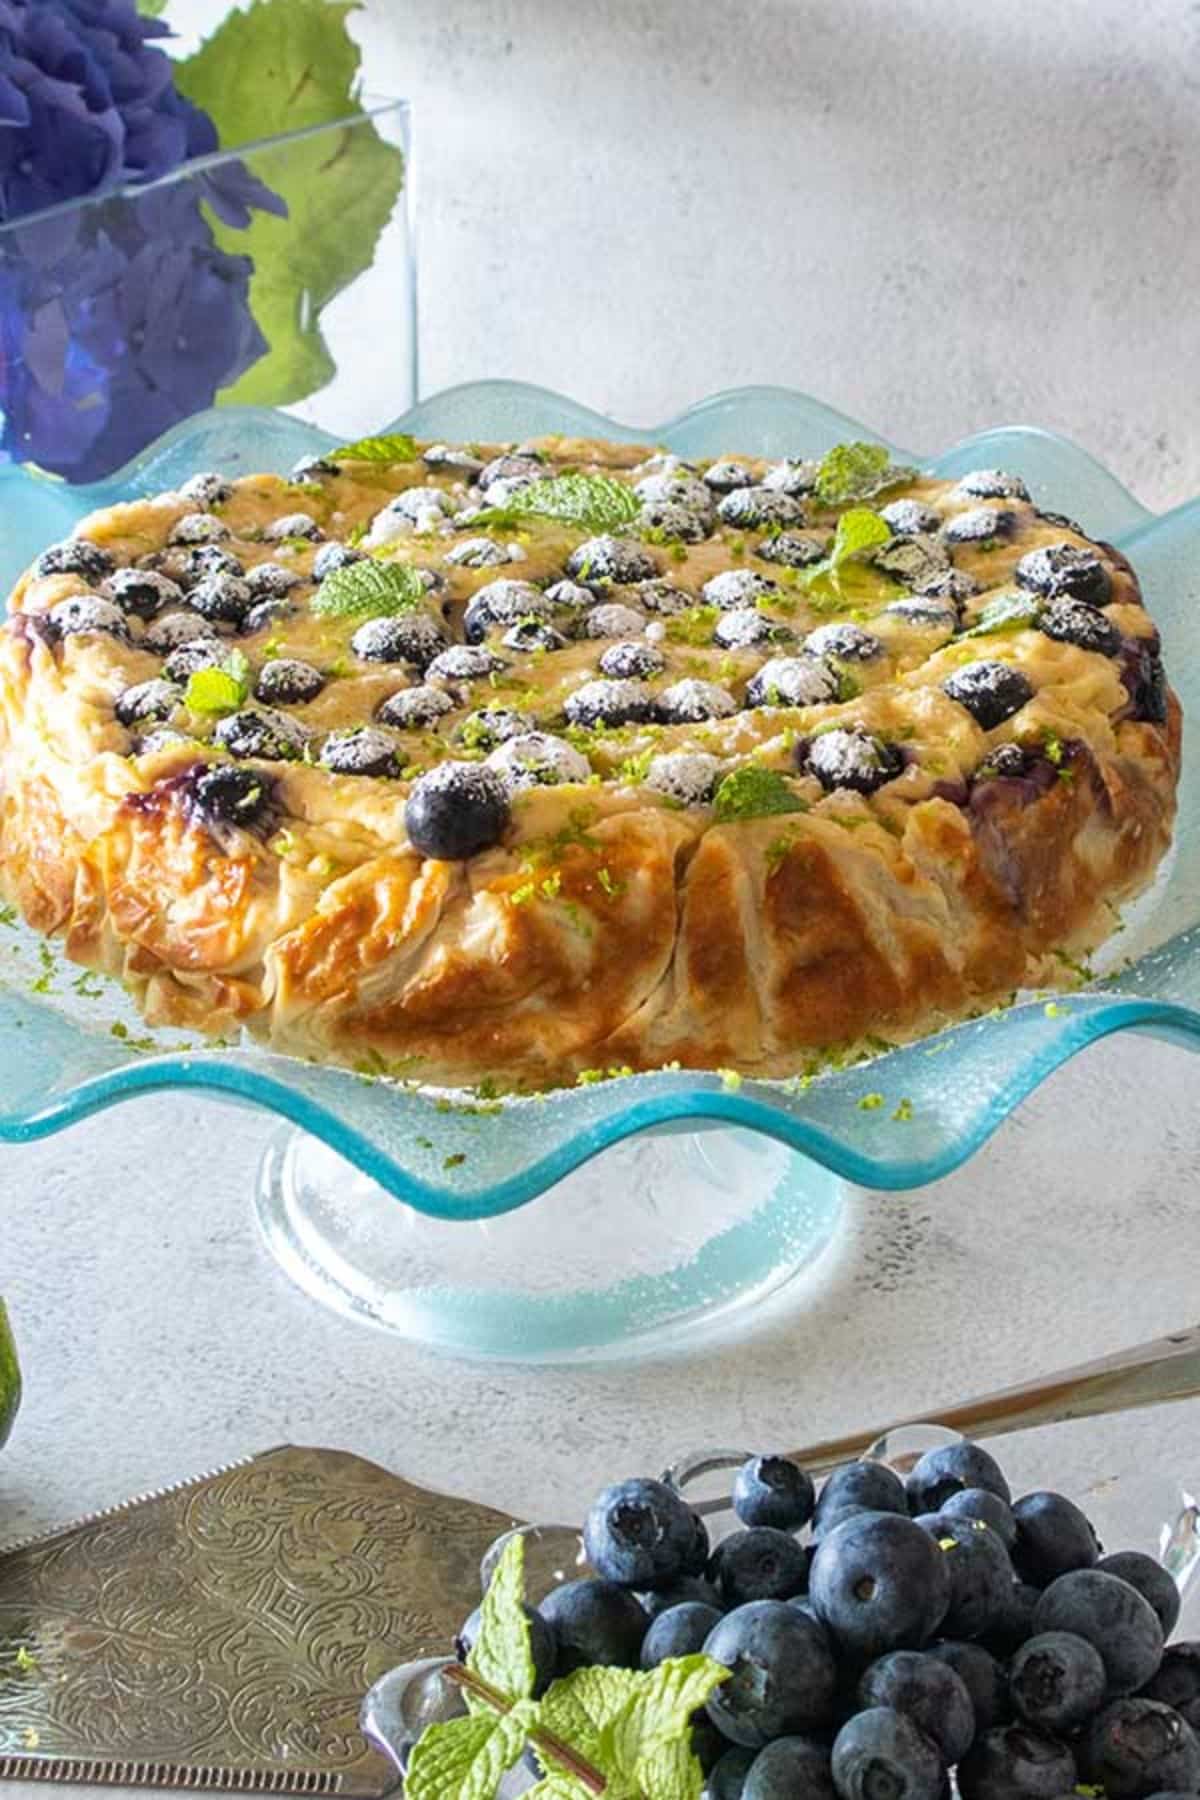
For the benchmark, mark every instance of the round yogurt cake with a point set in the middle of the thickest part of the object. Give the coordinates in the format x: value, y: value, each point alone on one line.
x: 508, y: 763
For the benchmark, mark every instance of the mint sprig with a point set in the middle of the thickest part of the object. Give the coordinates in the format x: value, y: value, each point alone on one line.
x: 396, y: 448
x: 753, y: 792
x: 369, y: 590
x: 857, y: 471
x: 595, y: 502
x: 220, y: 690
x: 1007, y: 612
x: 596, y: 1731
x: 858, y: 531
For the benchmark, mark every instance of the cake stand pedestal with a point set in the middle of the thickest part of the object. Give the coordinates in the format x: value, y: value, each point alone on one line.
x: 662, y: 1238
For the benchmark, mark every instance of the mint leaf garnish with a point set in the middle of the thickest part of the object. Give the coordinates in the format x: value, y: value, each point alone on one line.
x: 858, y: 531
x: 399, y: 447
x: 857, y: 472
x: 656, y: 1716
x: 581, y: 1707
x: 502, y: 1653
x: 753, y: 792
x: 221, y: 690
x: 1007, y: 612
x: 595, y: 502
x: 369, y: 590
x: 467, y: 1757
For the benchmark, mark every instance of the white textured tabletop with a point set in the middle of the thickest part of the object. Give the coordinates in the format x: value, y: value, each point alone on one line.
x: 159, y: 1340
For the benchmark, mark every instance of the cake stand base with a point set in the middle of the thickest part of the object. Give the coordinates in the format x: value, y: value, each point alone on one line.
x: 662, y: 1238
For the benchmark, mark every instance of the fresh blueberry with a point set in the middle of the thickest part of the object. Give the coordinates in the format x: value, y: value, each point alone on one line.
x: 203, y: 560
x: 76, y: 556
x: 981, y: 524
x: 537, y: 759
x: 632, y: 662
x: 675, y: 488
x: 361, y: 750
x: 1151, y: 1581
x: 792, y: 476
x: 727, y: 1780
x: 610, y: 703
x: 1012, y: 1762
x: 533, y: 634
x: 271, y: 581
x: 992, y: 484
x: 1139, y: 1747
x: 792, y: 550
x: 990, y: 691
x: 848, y: 642
x: 571, y: 596
x: 661, y: 597
x: 983, y: 1503
x: 414, y: 637
x: 680, y: 1631
x: 1053, y: 1537
x: 515, y: 470
x: 1075, y: 622
x: 909, y: 518
x: 726, y: 474
x: 773, y: 1490
x: 223, y: 794
x: 293, y: 525
x: 147, y: 700
x: 745, y: 629
x: 880, y: 1583
x: 1057, y: 1681
x: 198, y: 528
x: 415, y: 708
x: 1145, y: 681
x: 465, y: 662
x: 456, y: 810
x: 595, y: 1622
x: 706, y: 1743
x: 222, y: 599
x: 188, y: 659
x: 142, y: 592
x: 613, y: 620
x: 677, y: 523
x: 1065, y: 571
x: 689, y: 776
x: 689, y: 1590
x: 761, y: 1564
x: 286, y: 681
x: 1177, y: 1681
x: 915, y: 561
x: 85, y: 615
x: 1111, y: 1615
x: 881, y: 1755
x: 478, y: 553
x: 1015, y: 1622
x: 782, y: 1674
x: 755, y: 508
x: 868, y: 1484
x: 166, y: 737
x: 833, y: 1516
x: 333, y: 556
x: 948, y: 1470
x: 273, y: 736
x: 608, y: 558
x: 927, y: 1691
x: 982, y: 1675
x: 789, y: 1767
x: 639, y: 1533
x: 851, y: 759
x: 952, y: 585
x: 542, y: 1646
x: 736, y: 588
x: 691, y: 702
x: 792, y: 681
x: 265, y: 614
x: 980, y: 1570
x: 492, y: 725
x: 207, y: 489
x: 503, y: 602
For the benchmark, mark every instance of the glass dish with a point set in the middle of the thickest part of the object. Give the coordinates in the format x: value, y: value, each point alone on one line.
x: 699, y: 1229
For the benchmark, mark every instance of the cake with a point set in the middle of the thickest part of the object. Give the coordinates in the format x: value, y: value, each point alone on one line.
x: 510, y: 764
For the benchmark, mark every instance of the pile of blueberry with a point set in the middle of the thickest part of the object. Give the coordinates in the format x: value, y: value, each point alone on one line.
x: 884, y: 1632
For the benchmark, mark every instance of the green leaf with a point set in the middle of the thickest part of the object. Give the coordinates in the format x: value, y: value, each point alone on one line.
x: 221, y: 690
x: 369, y: 590
x: 858, y: 531
x: 753, y: 792
x: 672, y: 1772
x: 857, y: 471
x: 502, y: 1653
x: 284, y: 66
x: 152, y: 9
x: 596, y: 502
x: 580, y: 1707
x: 1007, y: 612
x: 467, y: 1758
x: 659, y: 1714
x: 399, y: 447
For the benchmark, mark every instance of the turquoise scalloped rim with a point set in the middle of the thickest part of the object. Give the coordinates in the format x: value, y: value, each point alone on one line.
x: 951, y: 1092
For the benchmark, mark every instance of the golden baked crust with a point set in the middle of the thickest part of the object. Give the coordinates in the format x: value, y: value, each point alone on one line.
x: 897, y: 873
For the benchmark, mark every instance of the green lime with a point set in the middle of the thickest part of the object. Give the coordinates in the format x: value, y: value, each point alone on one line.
x: 10, y: 1377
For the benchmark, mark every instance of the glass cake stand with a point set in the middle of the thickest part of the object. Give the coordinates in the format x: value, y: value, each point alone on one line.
x: 634, y: 1212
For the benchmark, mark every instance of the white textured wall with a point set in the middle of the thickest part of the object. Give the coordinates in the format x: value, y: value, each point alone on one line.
x: 937, y: 216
